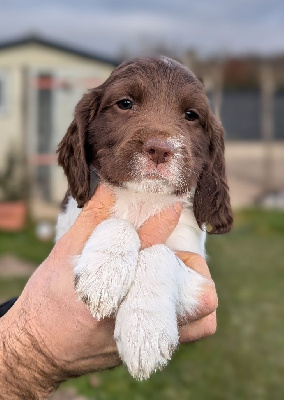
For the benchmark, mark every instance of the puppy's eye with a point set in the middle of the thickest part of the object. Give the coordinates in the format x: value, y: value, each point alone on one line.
x: 191, y: 115
x: 125, y: 104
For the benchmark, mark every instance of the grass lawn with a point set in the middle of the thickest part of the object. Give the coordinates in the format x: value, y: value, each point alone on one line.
x: 26, y: 246
x: 244, y: 360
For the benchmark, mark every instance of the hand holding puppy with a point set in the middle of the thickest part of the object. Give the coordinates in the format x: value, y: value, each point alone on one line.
x: 49, y: 336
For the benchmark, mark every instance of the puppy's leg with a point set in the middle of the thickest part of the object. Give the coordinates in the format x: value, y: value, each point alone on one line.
x: 146, y: 330
x: 105, y: 269
x: 190, y: 285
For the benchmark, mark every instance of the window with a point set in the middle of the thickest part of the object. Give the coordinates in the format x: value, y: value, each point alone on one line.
x: 3, y: 92
x: 44, y: 131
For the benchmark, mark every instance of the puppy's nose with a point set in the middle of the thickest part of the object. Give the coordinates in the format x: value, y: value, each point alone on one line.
x: 158, y: 150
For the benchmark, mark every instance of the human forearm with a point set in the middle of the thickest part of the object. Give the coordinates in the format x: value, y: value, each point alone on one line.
x: 37, y: 353
x: 27, y: 370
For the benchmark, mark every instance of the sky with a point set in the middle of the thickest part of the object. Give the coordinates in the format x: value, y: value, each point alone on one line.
x: 109, y: 27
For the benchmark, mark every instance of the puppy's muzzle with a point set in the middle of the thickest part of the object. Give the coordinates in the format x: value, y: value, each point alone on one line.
x: 158, y: 150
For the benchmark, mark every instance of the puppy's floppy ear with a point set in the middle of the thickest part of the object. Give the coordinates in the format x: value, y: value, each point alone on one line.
x: 72, y: 150
x: 211, y: 201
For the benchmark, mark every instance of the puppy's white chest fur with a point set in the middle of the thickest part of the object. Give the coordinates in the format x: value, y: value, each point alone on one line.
x: 136, y: 207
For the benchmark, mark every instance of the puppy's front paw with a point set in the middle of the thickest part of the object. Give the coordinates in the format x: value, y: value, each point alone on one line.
x: 105, y: 270
x: 146, y: 331
x: 145, y: 339
x: 190, y: 288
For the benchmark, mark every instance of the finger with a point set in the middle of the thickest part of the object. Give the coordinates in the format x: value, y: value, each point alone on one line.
x: 207, y: 304
x: 208, y: 299
x: 194, y: 261
x: 158, y: 228
x: 198, y: 329
x: 95, y: 211
x: 102, y: 198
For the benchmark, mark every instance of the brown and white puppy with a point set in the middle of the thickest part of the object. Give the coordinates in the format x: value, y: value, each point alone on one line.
x: 148, y: 133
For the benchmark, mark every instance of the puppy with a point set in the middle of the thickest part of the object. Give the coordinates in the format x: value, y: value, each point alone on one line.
x: 148, y: 133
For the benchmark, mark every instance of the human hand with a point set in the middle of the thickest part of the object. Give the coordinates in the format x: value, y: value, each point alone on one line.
x: 204, y: 322
x: 157, y: 230
x: 49, y: 335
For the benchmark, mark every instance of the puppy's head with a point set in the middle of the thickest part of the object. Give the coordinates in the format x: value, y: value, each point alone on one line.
x: 149, y: 126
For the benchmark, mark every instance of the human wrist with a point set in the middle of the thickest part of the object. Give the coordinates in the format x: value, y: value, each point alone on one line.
x: 27, y: 370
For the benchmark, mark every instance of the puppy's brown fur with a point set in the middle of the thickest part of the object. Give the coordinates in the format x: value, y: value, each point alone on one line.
x: 104, y: 137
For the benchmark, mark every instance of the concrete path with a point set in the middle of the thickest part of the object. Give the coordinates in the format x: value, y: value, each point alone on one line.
x: 12, y: 267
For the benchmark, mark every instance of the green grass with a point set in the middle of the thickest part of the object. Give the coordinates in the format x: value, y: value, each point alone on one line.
x: 11, y: 287
x: 24, y: 245
x: 244, y: 360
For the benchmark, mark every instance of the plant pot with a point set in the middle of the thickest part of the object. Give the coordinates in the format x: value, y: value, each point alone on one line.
x: 13, y: 215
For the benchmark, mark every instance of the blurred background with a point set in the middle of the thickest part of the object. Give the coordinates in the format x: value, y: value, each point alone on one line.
x: 50, y: 53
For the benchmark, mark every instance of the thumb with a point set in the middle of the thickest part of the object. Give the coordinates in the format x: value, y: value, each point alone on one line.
x: 95, y: 211
x: 158, y: 228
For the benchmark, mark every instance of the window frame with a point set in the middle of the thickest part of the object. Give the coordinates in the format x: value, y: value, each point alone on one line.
x: 4, y: 92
